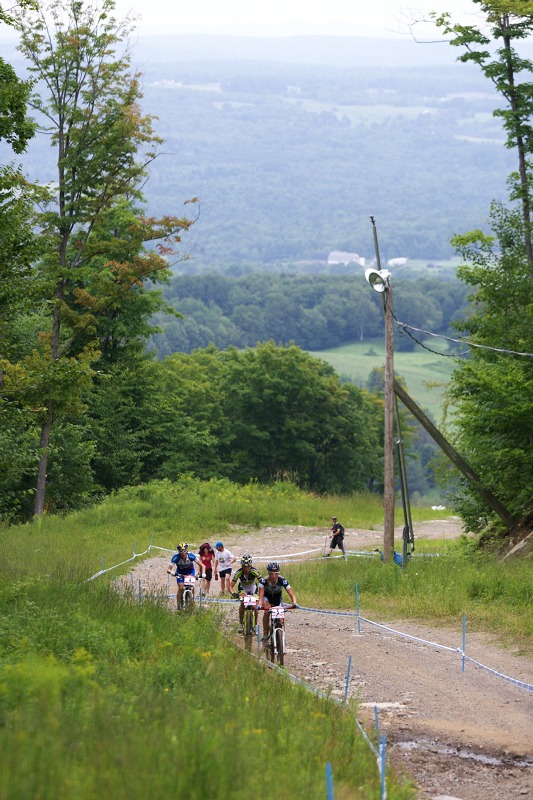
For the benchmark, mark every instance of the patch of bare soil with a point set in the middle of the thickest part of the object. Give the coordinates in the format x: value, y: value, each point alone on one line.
x: 465, y: 735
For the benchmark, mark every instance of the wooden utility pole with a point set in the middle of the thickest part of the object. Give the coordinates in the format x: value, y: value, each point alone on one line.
x: 388, y: 468
x: 380, y: 283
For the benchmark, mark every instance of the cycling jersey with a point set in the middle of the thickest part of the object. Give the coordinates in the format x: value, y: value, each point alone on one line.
x: 273, y: 591
x: 247, y: 583
x: 184, y: 566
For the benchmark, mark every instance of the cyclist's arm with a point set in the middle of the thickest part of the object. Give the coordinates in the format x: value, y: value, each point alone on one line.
x: 292, y: 596
x: 261, y: 595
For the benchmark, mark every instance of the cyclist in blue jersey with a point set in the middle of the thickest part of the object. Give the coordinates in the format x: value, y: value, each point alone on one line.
x: 183, y: 563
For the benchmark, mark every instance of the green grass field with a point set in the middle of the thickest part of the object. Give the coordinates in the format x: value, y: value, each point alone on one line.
x: 425, y: 374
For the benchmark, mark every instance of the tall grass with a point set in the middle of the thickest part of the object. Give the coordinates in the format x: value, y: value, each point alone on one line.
x: 102, y: 698
x: 495, y: 597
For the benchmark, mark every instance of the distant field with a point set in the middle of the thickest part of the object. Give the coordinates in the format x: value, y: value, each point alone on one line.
x: 424, y: 373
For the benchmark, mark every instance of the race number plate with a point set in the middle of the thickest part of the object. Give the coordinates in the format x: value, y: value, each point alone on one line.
x: 189, y: 581
x: 250, y: 601
x: 278, y: 612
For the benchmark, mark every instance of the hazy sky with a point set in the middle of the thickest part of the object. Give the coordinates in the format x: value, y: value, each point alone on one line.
x: 288, y: 17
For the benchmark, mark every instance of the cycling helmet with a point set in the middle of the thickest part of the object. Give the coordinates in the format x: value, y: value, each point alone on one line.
x: 182, y: 546
x: 273, y: 566
x: 246, y: 560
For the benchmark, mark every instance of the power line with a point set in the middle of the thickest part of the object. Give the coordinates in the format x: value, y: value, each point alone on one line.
x: 405, y: 327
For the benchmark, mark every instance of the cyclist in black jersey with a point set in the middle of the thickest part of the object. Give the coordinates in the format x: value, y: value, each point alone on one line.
x: 270, y: 591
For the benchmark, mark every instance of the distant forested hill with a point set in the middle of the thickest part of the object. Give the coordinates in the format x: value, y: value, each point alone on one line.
x: 290, y: 159
x: 316, y: 312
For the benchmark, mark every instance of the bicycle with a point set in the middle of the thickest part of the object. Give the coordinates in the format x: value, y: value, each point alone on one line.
x: 187, y: 598
x: 250, y: 604
x: 275, y: 644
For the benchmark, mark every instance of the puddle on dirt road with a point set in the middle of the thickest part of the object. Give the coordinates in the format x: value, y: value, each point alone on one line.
x: 496, y: 761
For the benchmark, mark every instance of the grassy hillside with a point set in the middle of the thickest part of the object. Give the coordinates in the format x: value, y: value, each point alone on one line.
x: 102, y: 697
x: 425, y: 373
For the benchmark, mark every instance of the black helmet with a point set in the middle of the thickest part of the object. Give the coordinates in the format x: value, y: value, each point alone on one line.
x: 246, y: 560
x: 273, y: 566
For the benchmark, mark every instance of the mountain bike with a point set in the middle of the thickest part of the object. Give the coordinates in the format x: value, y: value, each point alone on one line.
x: 187, y: 598
x: 275, y: 644
x: 250, y: 604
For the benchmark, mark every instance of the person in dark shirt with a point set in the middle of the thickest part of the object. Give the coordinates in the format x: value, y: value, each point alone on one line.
x: 337, y: 540
x: 270, y: 591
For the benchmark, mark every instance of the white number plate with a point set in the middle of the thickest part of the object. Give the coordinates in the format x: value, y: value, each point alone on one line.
x: 250, y: 601
x: 189, y: 581
x: 278, y: 612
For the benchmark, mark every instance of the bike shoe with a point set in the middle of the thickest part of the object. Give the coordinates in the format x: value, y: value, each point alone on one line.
x: 265, y: 638
x: 241, y: 629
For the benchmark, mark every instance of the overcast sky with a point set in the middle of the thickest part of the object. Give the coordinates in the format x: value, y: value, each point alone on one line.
x: 288, y: 17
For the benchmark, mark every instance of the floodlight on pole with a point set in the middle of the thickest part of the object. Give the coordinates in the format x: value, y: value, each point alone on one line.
x: 378, y: 279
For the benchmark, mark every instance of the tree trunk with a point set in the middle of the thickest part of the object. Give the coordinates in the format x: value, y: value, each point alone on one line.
x: 43, y: 461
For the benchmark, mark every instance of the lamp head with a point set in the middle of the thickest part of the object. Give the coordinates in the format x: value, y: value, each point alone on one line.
x: 378, y: 279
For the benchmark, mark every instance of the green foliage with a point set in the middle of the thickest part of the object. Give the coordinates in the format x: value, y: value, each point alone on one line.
x: 491, y: 390
x: 314, y: 311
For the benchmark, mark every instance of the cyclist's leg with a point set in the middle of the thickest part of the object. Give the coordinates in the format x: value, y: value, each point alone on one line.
x: 179, y: 590
x: 266, y: 619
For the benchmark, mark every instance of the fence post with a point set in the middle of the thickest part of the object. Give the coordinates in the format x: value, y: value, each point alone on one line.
x: 140, y: 592
x: 464, y: 644
x: 132, y: 583
x: 347, y: 679
x: 382, y: 752
x: 357, y: 608
x: 376, y: 717
x: 329, y: 781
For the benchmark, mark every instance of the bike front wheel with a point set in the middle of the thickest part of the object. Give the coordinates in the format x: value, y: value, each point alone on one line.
x: 280, y: 645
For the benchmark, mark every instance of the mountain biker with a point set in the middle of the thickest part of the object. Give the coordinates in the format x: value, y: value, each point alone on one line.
x: 185, y: 564
x: 247, y: 581
x: 270, y: 590
x: 337, y: 540
x: 223, y: 561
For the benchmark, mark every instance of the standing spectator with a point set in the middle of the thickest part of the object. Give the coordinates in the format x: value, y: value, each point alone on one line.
x: 223, y: 561
x: 207, y: 560
x: 337, y: 540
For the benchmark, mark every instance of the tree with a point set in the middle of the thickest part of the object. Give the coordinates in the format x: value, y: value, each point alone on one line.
x: 286, y: 414
x: 90, y: 108
x: 492, y: 390
x: 509, y: 22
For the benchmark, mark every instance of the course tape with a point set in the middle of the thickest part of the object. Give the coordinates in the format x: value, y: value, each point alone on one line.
x: 515, y: 681
x: 284, y: 559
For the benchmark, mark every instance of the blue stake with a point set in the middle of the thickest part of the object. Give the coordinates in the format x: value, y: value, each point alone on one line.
x: 347, y: 679
x: 329, y: 781
x: 102, y: 562
x: 132, y: 584
x: 134, y: 551
x: 357, y: 608
x: 151, y: 542
x: 383, y: 750
x: 140, y: 591
x: 258, y: 639
x: 464, y: 643
x: 376, y: 717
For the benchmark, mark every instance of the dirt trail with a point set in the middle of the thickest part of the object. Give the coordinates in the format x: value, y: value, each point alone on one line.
x: 459, y: 735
